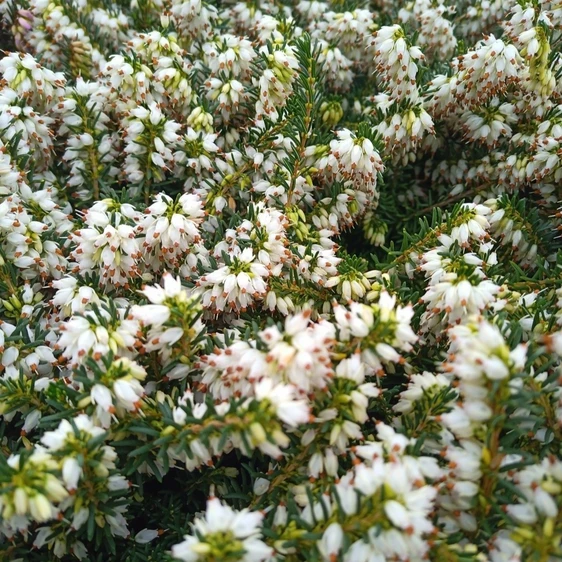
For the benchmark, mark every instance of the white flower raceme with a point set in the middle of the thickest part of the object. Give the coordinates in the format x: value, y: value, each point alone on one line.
x: 59, y: 545
x: 90, y: 140
x: 301, y: 353
x: 276, y: 82
x: 168, y: 68
x: 486, y: 71
x: 479, y: 358
x: 172, y: 317
x: 228, y: 93
x: 193, y: 18
x: 268, y: 233
x: 461, y: 485
x: 541, y: 485
x: 235, y: 286
x: 108, y: 245
x: 26, y: 241
x: 9, y: 176
x: 299, y: 356
x: 118, y: 391
x: 545, y: 163
x: 196, y: 152
x: 288, y: 408
x: 170, y: 228
x: 224, y: 532
x: 436, y: 35
x: 458, y: 298
x: 489, y: 123
x: 420, y: 385
x: 233, y: 371
x: 128, y: 81
x: 158, y: 313
x: 363, y: 323
x: 411, y: 498
x: 457, y: 287
x: 505, y: 225
x: 474, y: 229
x: 24, y: 126
x: 149, y: 142
x: 403, y: 129
x: 519, y: 20
x: 31, y: 360
x: 317, y: 263
x: 397, y: 62
x: 71, y: 299
x: 337, y: 65
x: 351, y: 30
x: 31, y: 80
x: 355, y: 159
x: 35, y: 492
x: 95, y: 333
x: 70, y: 438
x: 229, y: 53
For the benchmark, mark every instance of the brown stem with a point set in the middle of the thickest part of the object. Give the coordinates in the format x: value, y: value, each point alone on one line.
x: 539, y: 283
x: 450, y: 200
x: 95, y: 182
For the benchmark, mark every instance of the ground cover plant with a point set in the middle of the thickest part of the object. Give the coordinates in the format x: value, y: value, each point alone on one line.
x: 280, y: 280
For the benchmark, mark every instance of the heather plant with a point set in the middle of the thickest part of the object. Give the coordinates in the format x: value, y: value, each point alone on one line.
x: 281, y: 281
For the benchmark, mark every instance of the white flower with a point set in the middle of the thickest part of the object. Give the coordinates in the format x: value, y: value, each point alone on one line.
x: 146, y: 535
x: 71, y: 473
x: 101, y: 395
x: 261, y: 485
x: 524, y: 514
x: 331, y: 542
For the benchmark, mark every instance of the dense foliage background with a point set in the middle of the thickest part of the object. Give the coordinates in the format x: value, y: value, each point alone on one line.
x: 280, y: 280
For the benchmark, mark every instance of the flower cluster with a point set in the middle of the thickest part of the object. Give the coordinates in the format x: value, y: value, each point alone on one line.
x: 280, y: 281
